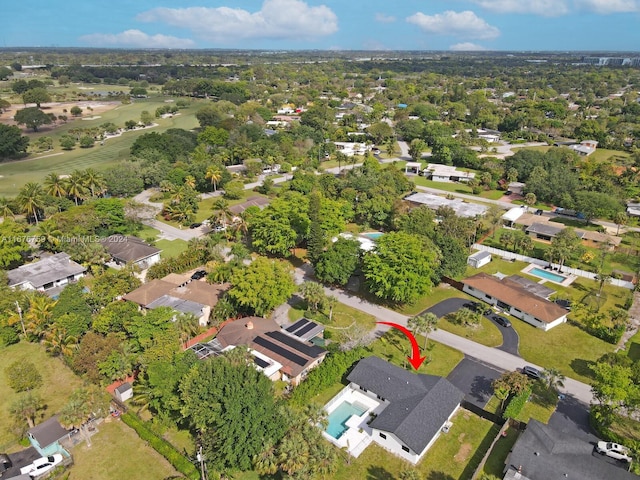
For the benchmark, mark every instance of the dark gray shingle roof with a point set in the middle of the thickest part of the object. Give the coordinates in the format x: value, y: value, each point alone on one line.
x: 46, y: 270
x: 48, y: 432
x: 559, y: 453
x: 419, y: 404
x: 128, y: 249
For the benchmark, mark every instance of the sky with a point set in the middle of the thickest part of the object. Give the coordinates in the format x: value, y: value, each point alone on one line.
x: 508, y: 25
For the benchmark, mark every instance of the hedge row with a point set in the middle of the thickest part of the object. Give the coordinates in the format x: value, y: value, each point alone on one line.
x: 164, y: 448
x: 517, y: 404
x: 326, y: 374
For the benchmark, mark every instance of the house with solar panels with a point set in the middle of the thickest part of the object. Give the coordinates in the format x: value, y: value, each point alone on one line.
x: 281, y: 354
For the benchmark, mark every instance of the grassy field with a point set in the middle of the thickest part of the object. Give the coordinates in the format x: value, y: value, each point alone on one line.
x: 171, y: 248
x: 118, y: 452
x: 13, y: 175
x: 495, y: 463
x: 58, y: 383
x: 486, y: 333
x: 453, y: 455
x: 438, y: 294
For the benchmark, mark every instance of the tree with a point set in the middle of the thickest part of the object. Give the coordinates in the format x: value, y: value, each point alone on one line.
x: 597, y: 205
x: 232, y: 406
x: 27, y: 407
x: 11, y: 242
x: 84, y: 403
x: 513, y: 382
x: 410, y: 474
x: 423, y: 325
x: 262, y: 285
x: 12, y: 142
x: 76, y: 111
x: 37, y: 96
x: 32, y: 117
x: 31, y: 199
x: 23, y: 376
x: 76, y: 187
x: 67, y: 142
x: 621, y: 218
x: 317, y: 238
x: 87, y: 141
x: 530, y: 199
x: 416, y: 147
x: 94, y: 181
x: 553, y: 378
x: 564, y: 244
x: 401, y: 268
x: 314, y: 295
x: 380, y: 132
x: 214, y: 174
x: 146, y: 118
x: 338, y: 262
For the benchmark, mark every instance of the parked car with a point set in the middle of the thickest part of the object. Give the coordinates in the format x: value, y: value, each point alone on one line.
x: 42, y: 465
x: 473, y: 306
x: 539, y: 211
x: 5, y: 463
x: 198, y: 274
x: 195, y: 225
x: 614, y: 450
x: 531, y: 372
x: 501, y: 321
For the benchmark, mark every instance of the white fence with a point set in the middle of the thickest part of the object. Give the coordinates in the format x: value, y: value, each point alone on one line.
x: 564, y: 269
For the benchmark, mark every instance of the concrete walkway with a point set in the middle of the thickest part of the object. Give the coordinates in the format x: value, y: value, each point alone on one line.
x: 487, y: 355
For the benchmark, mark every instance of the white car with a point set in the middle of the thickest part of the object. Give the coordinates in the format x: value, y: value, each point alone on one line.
x: 614, y: 450
x: 42, y: 465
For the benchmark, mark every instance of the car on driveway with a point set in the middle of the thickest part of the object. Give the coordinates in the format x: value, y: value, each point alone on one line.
x: 474, y: 306
x: 614, y: 450
x: 198, y: 274
x: 501, y: 321
x: 532, y: 372
x: 42, y: 465
x: 5, y: 463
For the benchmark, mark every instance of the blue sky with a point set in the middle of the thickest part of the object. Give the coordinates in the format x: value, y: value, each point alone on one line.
x: 325, y: 24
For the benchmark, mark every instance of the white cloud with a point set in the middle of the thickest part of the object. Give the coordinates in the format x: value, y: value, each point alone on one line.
x: 384, y: 18
x: 609, y: 6
x: 277, y: 19
x: 546, y: 8
x: 467, y: 47
x: 463, y: 24
x: 136, y: 38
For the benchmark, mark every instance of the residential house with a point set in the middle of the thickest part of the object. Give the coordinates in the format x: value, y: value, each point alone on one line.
x: 459, y: 206
x: 543, y: 453
x: 305, y: 329
x: 633, y: 209
x: 446, y: 173
x: 254, y: 201
x: 131, y: 250
x: 47, y: 274
x: 479, y: 259
x: 280, y: 355
x: 352, y: 148
x: 411, y: 411
x: 46, y: 436
x: 515, y: 299
x: 510, y: 216
x: 180, y: 293
x: 585, y: 147
x: 517, y: 188
x: 545, y: 230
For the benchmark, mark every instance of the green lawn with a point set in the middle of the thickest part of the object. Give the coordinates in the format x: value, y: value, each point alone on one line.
x: 13, y: 175
x: 171, y: 248
x: 486, y: 333
x: 58, y: 383
x: 453, y: 456
x: 498, y: 456
x: 118, y: 452
x: 437, y: 294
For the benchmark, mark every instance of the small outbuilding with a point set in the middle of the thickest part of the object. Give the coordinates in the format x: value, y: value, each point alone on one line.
x: 124, y: 392
x: 479, y: 259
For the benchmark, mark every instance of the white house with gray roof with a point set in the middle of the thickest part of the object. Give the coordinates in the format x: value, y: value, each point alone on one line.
x: 410, y: 409
x: 47, y: 273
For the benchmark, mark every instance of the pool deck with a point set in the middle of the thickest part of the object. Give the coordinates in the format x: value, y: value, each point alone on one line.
x: 359, y: 435
x: 568, y: 278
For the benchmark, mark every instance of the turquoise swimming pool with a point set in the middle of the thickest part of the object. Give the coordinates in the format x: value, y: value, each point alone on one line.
x: 338, y: 418
x: 372, y: 235
x: 547, y: 275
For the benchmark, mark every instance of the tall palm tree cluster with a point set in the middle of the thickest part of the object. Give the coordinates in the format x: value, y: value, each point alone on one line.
x: 183, y: 200
x: 79, y: 186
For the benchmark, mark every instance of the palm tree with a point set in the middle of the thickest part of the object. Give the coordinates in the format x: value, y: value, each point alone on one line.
x: 190, y: 181
x: 94, y: 181
x: 331, y: 302
x: 38, y: 316
x: 31, y: 199
x: 187, y: 326
x: 167, y: 186
x: 49, y: 234
x: 554, y: 378
x: 76, y: 186
x: 621, y: 218
x: 530, y: 199
x: 54, y: 185
x: 214, y: 175
x: 266, y: 462
x: 83, y: 403
x: 423, y: 325
x: 57, y: 342
x: 28, y: 407
x: 6, y: 210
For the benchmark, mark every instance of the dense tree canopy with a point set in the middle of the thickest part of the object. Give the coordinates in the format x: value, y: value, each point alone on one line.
x: 12, y: 142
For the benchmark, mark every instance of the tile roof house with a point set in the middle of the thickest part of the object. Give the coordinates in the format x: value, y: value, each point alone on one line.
x: 415, y: 407
x: 271, y: 346
x: 460, y: 207
x: 516, y: 300
x: 179, y: 293
x: 254, y: 201
x: 543, y: 453
x: 47, y: 273
x: 127, y: 249
x: 46, y: 436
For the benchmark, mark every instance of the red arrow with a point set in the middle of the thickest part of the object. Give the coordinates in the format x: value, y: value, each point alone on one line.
x: 415, y: 359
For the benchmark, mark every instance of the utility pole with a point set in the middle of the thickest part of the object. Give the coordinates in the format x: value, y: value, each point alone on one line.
x: 200, y: 458
x: 24, y: 331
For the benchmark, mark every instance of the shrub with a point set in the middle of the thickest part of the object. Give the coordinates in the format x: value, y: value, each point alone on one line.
x: 516, y: 404
x: 164, y: 448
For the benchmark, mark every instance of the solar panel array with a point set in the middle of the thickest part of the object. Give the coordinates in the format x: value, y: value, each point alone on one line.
x: 277, y: 349
x: 307, y: 328
x: 308, y: 350
x: 297, y: 325
x: 260, y: 362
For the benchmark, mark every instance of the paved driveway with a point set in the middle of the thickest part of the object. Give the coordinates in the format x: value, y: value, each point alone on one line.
x: 474, y: 379
x: 21, y: 459
x: 510, y: 338
x: 572, y: 417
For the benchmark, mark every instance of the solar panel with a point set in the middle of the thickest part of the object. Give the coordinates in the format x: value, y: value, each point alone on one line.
x: 277, y: 349
x: 297, y: 325
x: 306, y: 328
x: 260, y: 362
x: 308, y: 350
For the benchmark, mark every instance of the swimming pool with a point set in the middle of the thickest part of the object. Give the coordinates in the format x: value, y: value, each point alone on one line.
x: 338, y: 418
x: 372, y: 235
x: 547, y: 275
